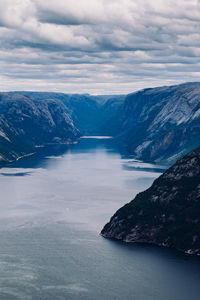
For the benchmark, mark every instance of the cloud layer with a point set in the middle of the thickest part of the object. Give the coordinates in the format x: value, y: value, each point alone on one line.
x: 98, y: 46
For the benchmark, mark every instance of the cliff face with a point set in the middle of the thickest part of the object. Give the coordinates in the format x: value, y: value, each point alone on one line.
x: 26, y: 124
x: 166, y: 214
x: 92, y: 115
x: 161, y: 124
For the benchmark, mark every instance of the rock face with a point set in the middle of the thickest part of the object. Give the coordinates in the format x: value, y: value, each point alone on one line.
x: 26, y: 124
x: 92, y: 115
x: 166, y: 214
x: 161, y: 124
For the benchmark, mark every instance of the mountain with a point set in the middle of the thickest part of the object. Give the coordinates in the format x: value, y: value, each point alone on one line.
x: 166, y: 214
x: 161, y: 124
x: 26, y: 124
x: 29, y: 120
x: 157, y: 124
x: 90, y: 114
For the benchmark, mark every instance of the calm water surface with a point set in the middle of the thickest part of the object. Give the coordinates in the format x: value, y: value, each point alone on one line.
x: 51, y: 213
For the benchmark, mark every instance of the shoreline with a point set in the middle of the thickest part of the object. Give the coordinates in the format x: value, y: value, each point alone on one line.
x: 5, y: 163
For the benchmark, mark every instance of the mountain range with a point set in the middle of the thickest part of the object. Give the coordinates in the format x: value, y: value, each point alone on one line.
x: 157, y: 124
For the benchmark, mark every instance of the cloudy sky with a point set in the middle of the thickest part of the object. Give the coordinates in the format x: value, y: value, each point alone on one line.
x: 98, y: 46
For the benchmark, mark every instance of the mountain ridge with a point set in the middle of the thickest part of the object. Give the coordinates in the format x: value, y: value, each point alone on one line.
x: 161, y: 123
x: 154, y: 124
x: 24, y: 125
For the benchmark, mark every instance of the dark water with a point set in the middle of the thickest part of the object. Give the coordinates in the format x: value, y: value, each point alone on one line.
x: 51, y: 213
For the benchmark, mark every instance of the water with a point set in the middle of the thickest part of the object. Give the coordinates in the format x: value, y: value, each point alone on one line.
x: 51, y: 212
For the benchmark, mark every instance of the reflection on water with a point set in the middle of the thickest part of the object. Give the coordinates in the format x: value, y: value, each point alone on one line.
x: 49, y: 230
x: 16, y: 174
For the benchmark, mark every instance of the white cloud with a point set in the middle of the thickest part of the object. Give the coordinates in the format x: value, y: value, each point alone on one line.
x: 13, y: 13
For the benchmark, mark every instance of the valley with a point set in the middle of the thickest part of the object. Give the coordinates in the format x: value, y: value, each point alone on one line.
x: 156, y: 125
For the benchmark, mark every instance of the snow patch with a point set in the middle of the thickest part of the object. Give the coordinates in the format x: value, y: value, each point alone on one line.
x: 196, y: 115
x: 141, y: 147
x: 4, y: 136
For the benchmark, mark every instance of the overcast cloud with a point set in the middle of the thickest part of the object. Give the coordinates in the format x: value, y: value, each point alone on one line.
x: 98, y: 46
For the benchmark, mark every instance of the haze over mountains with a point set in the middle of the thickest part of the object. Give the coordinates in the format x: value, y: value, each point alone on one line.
x: 159, y: 124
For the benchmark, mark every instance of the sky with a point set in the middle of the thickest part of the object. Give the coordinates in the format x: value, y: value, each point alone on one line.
x: 98, y: 46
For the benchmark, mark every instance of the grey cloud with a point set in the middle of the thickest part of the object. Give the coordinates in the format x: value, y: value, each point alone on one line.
x: 98, y: 46
x: 49, y: 17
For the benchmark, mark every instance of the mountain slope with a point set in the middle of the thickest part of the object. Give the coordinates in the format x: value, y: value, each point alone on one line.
x: 166, y: 214
x: 90, y: 114
x: 25, y: 124
x: 161, y: 123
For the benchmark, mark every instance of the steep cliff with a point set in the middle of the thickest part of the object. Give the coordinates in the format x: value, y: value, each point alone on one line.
x: 166, y: 214
x: 92, y: 115
x: 26, y: 124
x: 161, y: 124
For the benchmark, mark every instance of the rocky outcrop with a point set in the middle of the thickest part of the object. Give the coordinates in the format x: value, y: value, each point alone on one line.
x: 166, y: 214
x: 26, y: 124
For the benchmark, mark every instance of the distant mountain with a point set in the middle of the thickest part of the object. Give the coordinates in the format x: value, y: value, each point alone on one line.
x: 26, y: 124
x: 90, y: 114
x: 161, y: 124
x: 166, y: 214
